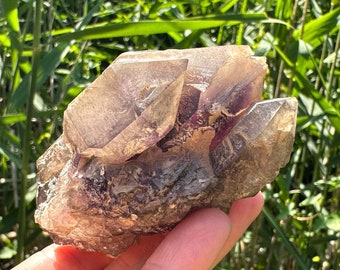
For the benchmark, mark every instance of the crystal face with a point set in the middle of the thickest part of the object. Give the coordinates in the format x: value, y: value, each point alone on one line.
x: 158, y: 135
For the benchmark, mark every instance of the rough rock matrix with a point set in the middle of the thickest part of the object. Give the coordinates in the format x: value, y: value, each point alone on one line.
x: 156, y: 136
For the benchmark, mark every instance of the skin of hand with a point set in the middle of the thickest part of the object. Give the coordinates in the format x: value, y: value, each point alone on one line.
x: 200, y: 241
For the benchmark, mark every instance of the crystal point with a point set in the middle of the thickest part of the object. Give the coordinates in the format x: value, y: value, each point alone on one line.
x: 156, y: 136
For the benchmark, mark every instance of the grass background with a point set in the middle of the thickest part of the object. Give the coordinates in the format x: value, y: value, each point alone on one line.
x: 51, y: 50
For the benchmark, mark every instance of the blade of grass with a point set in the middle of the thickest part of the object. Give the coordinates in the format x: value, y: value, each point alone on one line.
x: 226, y: 6
x: 285, y: 240
x: 307, y: 89
x: 326, y: 24
x: 11, y: 119
x: 46, y: 67
x: 239, y: 37
x: 158, y: 27
x: 189, y: 40
x: 333, y: 67
x: 11, y: 12
x: 9, y: 154
x: 27, y: 133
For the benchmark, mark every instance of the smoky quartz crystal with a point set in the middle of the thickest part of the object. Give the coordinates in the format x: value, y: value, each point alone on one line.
x: 158, y: 135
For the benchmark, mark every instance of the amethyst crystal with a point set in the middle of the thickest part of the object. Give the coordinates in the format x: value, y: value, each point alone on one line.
x: 156, y: 136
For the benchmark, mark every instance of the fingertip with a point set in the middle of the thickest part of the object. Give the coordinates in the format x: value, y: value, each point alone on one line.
x: 194, y: 243
x: 242, y: 213
x: 250, y: 207
x: 209, y: 216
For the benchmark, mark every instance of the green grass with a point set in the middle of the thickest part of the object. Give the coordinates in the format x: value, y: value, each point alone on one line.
x: 49, y: 54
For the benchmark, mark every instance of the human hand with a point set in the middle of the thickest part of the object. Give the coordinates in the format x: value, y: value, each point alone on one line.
x: 200, y: 241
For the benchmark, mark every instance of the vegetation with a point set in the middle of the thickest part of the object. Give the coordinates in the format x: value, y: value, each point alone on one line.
x: 50, y: 51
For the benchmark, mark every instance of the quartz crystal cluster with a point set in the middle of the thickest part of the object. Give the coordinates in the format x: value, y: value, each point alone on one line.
x: 158, y: 135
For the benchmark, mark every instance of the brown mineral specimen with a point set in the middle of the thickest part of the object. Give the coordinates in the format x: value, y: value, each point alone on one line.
x: 156, y: 136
